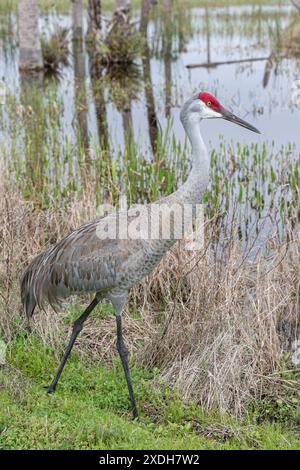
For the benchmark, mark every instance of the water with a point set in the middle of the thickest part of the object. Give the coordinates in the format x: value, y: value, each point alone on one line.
x: 274, y: 109
x: 191, y: 36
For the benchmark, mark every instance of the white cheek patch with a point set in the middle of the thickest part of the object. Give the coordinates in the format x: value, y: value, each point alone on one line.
x: 210, y: 113
x: 199, y: 110
x: 207, y: 112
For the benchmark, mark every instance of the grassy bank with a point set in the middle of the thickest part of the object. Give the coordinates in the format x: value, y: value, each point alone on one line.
x: 209, y: 349
x: 90, y: 410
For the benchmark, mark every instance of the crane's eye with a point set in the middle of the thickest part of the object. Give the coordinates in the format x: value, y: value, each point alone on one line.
x: 208, y: 103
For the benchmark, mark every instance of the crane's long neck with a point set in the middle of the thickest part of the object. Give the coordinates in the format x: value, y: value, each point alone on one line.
x: 191, y: 192
x: 198, y: 178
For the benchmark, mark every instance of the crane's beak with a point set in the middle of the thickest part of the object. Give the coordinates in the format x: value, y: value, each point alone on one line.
x: 232, y: 118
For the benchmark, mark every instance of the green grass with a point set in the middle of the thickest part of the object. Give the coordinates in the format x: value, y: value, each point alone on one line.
x: 90, y: 410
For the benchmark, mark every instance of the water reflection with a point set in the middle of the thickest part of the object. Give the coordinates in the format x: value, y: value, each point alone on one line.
x: 35, y: 132
x: 111, y: 104
x: 167, y: 54
x: 77, y: 19
x: 124, y: 85
x: 81, y: 105
x: 191, y: 39
x: 285, y: 46
x: 151, y: 113
x: 98, y: 89
x: 97, y: 126
x: 94, y: 14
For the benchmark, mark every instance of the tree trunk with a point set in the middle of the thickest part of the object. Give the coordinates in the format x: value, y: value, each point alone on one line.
x: 30, y: 44
x: 207, y: 21
x: 151, y: 113
x: 296, y: 4
x: 99, y: 100
x: 34, y: 136
x: 81, y: 106
x: 121, y: 16
x: 127, y: 126
x: 77, y: 19
x: 167, y: 47
x: 145, y: 10
x: 94, y: 10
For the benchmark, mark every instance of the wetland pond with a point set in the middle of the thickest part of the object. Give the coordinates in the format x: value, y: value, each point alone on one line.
x: 118, y: 130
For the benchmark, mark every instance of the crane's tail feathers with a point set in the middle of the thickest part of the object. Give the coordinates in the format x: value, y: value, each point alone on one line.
x: 29, y: 286
x: 41, y: 284
x: 27, y: 296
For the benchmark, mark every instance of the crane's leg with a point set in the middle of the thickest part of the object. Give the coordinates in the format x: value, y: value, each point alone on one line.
x: 123, y: 352
x: 77, y: 327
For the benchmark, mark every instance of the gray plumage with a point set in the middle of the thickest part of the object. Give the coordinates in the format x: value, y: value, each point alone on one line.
x: 82, y: 262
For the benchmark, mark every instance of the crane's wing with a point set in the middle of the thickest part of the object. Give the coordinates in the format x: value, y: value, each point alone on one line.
x: 82, y: 261
x: 97, y: 257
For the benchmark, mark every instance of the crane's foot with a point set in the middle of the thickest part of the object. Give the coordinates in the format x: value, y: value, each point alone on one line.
x: 50, y: 388
x: 135, y: 414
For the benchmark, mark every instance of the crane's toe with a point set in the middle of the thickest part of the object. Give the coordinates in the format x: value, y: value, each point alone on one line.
x: 50, y: 388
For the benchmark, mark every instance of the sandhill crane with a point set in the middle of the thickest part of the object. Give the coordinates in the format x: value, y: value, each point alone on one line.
x: 86, y: 262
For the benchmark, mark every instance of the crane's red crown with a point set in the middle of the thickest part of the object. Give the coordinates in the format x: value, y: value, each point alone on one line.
x: 209, y: 100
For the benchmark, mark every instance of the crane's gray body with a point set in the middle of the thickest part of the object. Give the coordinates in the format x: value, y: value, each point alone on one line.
x: 83, y: 262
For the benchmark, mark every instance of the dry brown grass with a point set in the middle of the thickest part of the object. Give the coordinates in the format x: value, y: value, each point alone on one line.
x: 230, y: 327
x: 218, y: 329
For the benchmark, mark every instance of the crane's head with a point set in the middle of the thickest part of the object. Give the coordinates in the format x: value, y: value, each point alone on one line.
x: 205, y: 106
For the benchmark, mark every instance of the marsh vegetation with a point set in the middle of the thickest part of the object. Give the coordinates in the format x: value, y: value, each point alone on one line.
x: 213, y: 335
